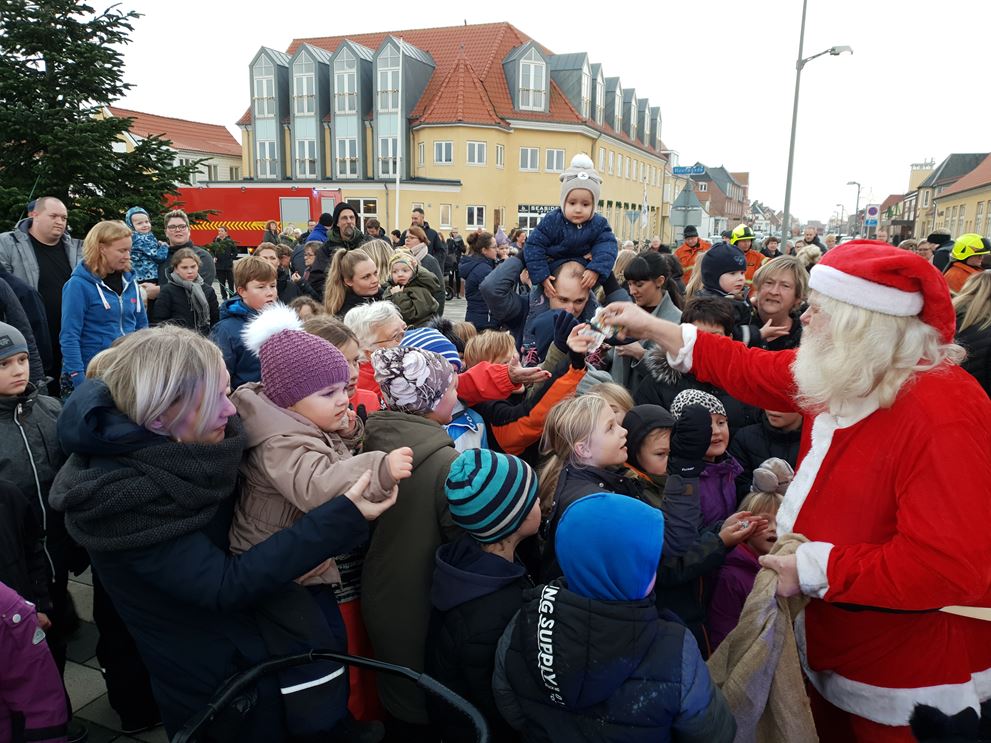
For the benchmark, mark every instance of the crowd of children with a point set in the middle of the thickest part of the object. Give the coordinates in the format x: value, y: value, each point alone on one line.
x: 562, y: 551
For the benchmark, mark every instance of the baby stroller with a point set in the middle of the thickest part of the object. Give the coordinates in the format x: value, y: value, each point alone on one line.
x: 239, y: 683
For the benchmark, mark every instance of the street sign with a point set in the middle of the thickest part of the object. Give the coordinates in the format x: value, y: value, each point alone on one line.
x: 871, y: 212
x: 688, y: 170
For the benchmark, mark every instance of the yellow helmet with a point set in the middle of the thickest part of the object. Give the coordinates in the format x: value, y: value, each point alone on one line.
x: 742, y: 232
x: 969, y: 245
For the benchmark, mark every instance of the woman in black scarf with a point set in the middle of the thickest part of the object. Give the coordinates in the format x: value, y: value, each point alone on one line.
x: 149, y: 489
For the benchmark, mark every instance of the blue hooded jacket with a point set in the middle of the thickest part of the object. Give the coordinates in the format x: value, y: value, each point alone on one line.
x: 556, y: 241
x: 94, y: 316
x: 146, y: 251
x: 241, y: 363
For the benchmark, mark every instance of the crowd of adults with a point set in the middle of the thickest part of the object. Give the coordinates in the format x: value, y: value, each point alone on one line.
x: 616, y: 453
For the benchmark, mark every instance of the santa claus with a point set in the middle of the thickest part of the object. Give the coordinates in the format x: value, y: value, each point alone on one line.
x: 893, y: 488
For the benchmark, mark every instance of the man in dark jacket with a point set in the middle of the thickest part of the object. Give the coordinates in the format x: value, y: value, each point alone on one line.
x: 588, y: 658
x: 224, y: 254
x: 34, y: 310
x: 455, y: 250
x: 177, y: 233
x: 942, y: 253
x: 342, y: 233
x: 775, y: 435
x: 811, y: 237
x: 478, y: 584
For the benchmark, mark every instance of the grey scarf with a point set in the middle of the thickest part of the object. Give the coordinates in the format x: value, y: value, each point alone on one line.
x: 153, y: 495
x: 197, y: 299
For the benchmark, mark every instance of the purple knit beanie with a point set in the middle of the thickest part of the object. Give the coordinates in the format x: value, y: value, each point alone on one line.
x: 294, y: 363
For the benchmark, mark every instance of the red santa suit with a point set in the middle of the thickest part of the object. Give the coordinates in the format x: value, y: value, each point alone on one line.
x: 896, y: 503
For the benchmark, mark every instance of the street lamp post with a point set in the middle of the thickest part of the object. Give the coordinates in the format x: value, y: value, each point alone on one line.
x: 834, y: 51
x: 842, y: 220
x: 856, y: 209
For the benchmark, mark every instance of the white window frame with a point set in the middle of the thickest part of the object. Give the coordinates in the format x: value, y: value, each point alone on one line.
x: 388, y: 156
x: 633, y: 117
x: 585, y: 96
x: 925, y: 199
x: 346, y: 157
x: 533, y: 82
x: 610, y: 162
x: 602, y: 159
x: 421, y: 153
x: 359, y: 207
x: 443, y: 147
x: 266, y: 159
x: 619, y: 164
x: 600, y: 99
x: 346, y: 83
x: 500, y: 156
x: 474, y: 216
x: 476, y: 153
x: 234, y: 172
x: 304, y: 87
x: 532, y: 159
x: 618, y: 112
x: 446, y: 215
x: 306, y: 161
x: 557, y: 166
x: 702, y: 186
x: 388, y: 80
x: 264, y: 97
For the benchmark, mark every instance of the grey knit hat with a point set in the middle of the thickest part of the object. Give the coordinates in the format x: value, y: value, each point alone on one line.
x: 581, y: 174
x: 696, y: 397
x: 12, y: 341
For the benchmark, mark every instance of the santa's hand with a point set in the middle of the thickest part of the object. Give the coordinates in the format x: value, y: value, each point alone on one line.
x: 787, y: 569
x: 630, y: 320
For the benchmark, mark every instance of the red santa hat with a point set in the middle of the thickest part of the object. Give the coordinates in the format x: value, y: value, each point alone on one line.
x: 879, y: 277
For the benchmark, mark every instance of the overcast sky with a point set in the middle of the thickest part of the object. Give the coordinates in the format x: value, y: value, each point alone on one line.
x: 723, y: 72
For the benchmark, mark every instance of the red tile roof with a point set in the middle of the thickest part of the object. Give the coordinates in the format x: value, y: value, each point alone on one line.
x: 185, y: 135
x: 468, y: 84
x: 979, y: 176
x: 889, y: 202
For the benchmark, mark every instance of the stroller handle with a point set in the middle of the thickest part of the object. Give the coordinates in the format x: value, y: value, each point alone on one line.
x: 236, y: 684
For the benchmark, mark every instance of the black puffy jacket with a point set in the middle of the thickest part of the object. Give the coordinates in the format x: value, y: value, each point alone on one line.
x: 573, y: 669
x: 977, y: 341
x: 474, y: 269
x: 754, y: 444
x: 474, y: 595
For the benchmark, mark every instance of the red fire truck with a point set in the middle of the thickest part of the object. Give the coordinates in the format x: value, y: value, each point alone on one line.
x: 244, y: 208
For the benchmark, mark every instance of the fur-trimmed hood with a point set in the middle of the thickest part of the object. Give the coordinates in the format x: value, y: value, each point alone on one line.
x: 655, y: 361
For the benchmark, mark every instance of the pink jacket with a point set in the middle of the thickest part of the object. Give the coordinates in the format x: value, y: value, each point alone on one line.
x: 30, y: 685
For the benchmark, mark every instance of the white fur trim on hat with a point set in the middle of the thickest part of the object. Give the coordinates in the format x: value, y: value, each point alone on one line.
x: 863, y: 293
x: 272, y: 320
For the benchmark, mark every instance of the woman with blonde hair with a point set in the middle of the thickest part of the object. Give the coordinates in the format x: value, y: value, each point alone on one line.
x: 973, y: 308
x: 380, y: 252
x: 352, y: 280
x: 148, y: 491
x: 101, y: 301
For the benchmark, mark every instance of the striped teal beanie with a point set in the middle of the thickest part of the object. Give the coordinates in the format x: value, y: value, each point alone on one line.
x: 490, y: 494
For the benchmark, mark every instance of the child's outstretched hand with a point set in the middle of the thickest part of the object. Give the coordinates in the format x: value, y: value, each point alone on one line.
x: 589, y: 279
x: 395, y: 290
x: 580, y: 342
x: 371, y: 511
x: 740, y: 527
x: 400, y: 463
x: 549, y: 291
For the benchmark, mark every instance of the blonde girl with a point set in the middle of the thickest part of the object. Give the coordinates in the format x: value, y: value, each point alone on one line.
x: 353, y: 279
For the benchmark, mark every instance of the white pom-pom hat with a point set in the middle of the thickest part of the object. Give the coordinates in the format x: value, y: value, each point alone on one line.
x: 581, y: 174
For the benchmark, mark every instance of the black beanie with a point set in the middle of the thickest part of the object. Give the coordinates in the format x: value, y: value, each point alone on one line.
x: 939, y: 238
x: 342, y: 207
x: 327, y: 220
x: 691, y: 231
x: 639, y: 422
x: 719, y: 259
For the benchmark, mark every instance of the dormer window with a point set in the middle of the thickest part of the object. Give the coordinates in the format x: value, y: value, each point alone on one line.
x: 346, y: 83
x: 618, y: 113
x: 633, y: 117
x: 264, y: 99
x: 303, y: 86
x: 646, y: 129
x: 388, y: 80
x: 533, y: 82
x: 586, y: 95
x: 600, y: 100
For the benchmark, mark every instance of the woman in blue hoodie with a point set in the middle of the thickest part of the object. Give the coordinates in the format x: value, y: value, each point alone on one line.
x: 101, y: 301
x: 478, y: 263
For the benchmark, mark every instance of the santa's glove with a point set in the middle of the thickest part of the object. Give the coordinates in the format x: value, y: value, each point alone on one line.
x: 564, y: 322
x: 690, y: 440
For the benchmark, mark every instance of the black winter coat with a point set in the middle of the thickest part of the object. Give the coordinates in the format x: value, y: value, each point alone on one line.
x: 978, y: 361
x: 352, y: 300
x: 474, y: 269
x: 23, y: 565
x: 754, y: 444
x: 289, y: 290
x: 474, y: 595
x: 573, y: 669
x: 224, y: 253
x: 12, y: 313
x: 173, y: 306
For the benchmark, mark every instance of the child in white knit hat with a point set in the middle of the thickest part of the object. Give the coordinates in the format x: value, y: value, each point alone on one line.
x: 571, y: 232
